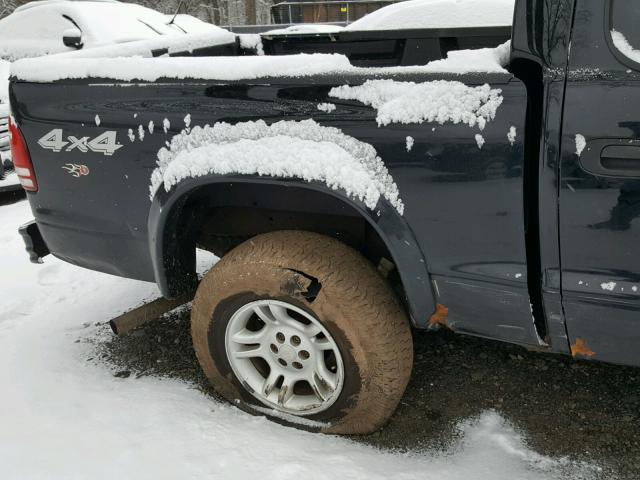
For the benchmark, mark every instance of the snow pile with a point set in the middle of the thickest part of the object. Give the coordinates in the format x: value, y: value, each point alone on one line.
x: 251, y: 41
x: 286, y: 149
x: 438, y: 101
x: 326, y: 107
x: 489, y: 60
x: 305, y: 28
x: 63, y: 417
x: 438, y: 14
x: 622, y: 44
x: 74, y: 65
x: 581, y: 143
x: 610, y: 286
x: 409, y: 143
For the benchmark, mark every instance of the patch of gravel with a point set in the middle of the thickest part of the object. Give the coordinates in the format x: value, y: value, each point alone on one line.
x: 160, y: 348
x: 585, y: 411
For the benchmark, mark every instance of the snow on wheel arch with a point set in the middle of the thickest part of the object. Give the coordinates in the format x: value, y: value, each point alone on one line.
x: 286, y: 149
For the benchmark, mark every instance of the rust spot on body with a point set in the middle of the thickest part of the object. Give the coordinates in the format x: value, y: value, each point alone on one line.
x: 580, y: 348
x: 439, y: 318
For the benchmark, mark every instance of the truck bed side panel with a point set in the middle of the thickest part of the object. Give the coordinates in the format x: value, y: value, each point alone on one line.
x: 464, y: 202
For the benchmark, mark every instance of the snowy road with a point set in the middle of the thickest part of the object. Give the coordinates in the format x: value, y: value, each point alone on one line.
x: 62, y: 417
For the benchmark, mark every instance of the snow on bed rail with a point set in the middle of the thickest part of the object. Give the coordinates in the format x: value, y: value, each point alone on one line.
x: 152, y: 69
x: 68, y: 66
x: 438, y: 101
x: 286, y: 149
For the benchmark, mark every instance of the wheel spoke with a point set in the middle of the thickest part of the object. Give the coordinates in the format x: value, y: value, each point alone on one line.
x: 323, y: 374
x: 270, y: 382
x: 283, y: 318
x: 286, y: 390
x: 312, y: 330
x: 264, y: 313
x: 317, y: 387
x: 247, y: 337
x: 323, y: 344
x: 251, y: 353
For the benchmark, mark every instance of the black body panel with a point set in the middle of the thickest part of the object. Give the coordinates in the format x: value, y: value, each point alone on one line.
x: 600, y: 192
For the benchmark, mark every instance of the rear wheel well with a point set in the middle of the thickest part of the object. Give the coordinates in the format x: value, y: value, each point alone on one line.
x: 219, y: 217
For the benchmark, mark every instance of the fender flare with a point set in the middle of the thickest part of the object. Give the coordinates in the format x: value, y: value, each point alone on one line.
x: 174, y: 270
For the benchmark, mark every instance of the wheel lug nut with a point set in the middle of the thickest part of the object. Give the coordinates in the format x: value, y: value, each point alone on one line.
x: 295, y: 340
x: 297, y: 365
x: 280, y: 337
x: 274, y: 349
x: 303, y: 354
x: 282, y: 362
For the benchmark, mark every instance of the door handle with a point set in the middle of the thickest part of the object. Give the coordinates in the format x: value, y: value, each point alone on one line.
x: 610, y: 157
x: 620, y: 158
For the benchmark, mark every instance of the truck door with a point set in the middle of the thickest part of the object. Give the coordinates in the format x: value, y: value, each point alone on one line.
x: 600, y: 183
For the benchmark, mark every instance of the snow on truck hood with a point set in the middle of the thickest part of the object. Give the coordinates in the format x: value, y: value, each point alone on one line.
x: 76, y: 66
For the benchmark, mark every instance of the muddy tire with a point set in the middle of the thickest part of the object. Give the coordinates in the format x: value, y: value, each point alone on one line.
x: 315, y: 310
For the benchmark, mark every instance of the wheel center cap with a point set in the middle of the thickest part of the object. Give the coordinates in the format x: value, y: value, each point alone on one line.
x: 287, y: 353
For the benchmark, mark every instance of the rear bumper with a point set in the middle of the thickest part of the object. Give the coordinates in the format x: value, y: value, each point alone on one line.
x: 33, y: 242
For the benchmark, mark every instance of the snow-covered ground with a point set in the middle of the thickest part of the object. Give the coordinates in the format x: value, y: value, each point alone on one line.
x: 8, y: 182
x: 62, y: 417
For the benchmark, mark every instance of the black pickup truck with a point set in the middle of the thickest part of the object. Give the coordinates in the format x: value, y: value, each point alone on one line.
x: 350, y: 205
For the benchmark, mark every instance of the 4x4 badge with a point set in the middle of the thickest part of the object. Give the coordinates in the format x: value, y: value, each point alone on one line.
x: 106, y: 143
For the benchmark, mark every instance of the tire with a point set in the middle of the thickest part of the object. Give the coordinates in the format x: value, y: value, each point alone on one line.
x: 319, y: 280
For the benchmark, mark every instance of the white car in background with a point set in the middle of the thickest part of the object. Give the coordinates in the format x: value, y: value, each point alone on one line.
x: 55, y: 26
x: 416, y: 14
x: 438, y: 14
